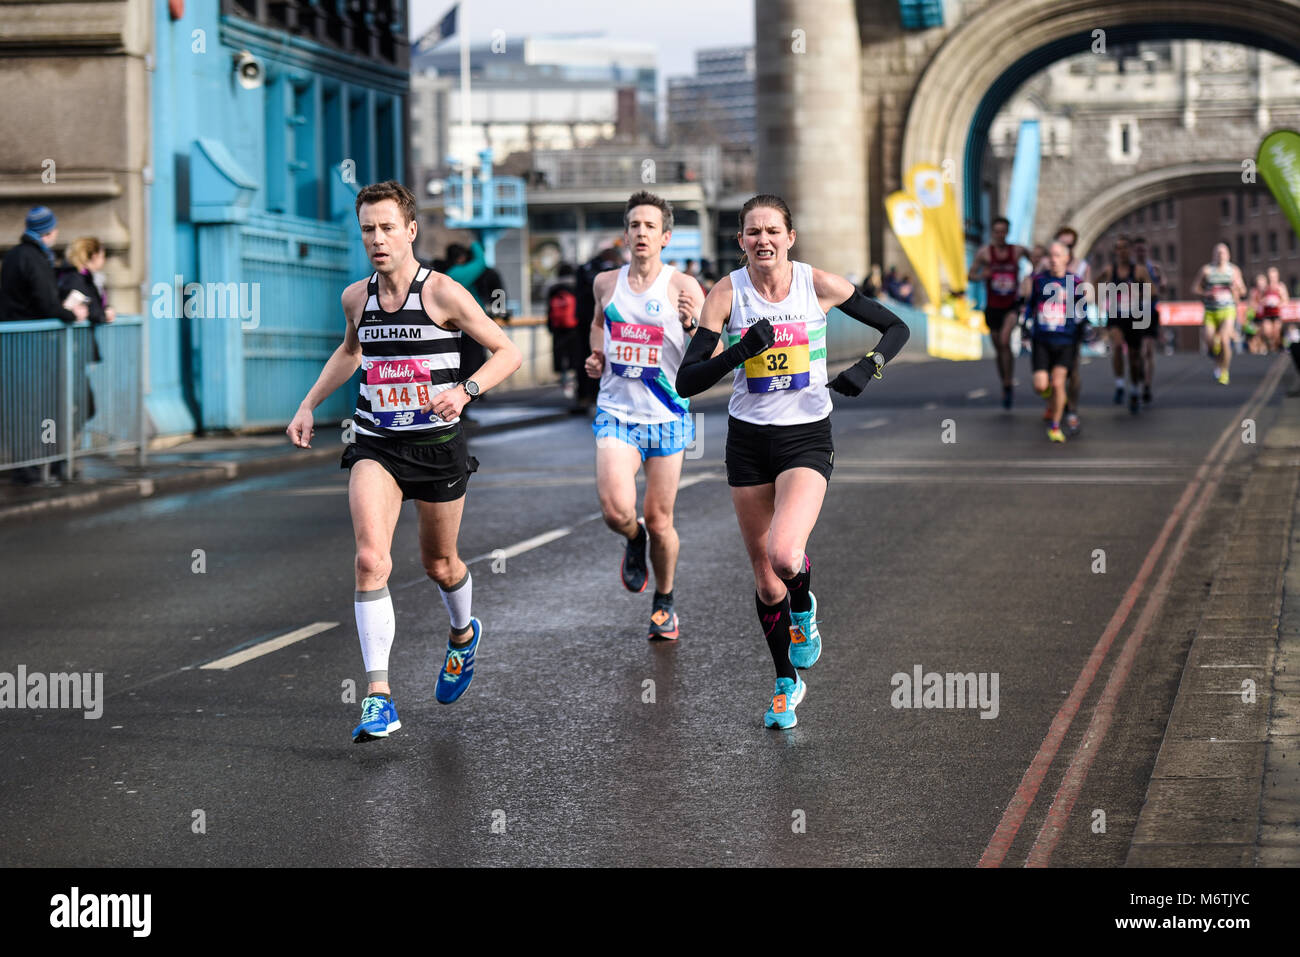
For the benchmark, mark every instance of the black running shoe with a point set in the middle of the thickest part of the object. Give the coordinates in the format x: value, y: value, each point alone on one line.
x: 1007, y: 393
x: 1133, y: 405
x: 633, y: 571
x: 1119, y: 394
x: 663, y: 621
x: 1146, y: 394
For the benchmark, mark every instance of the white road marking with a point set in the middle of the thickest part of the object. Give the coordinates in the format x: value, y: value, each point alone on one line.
x: 268, y: 646
x: 545, y: 538
x: 960, y: 478
x: 977, y: 393
x: 1118, y: 464
x: 873, y: 424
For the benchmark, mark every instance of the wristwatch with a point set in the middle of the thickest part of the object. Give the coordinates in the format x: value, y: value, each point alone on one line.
x: 878, y: 359
x: 695, y: 324
x: 471, y: 389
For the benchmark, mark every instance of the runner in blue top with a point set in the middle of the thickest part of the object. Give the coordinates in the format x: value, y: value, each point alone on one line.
x: 1057, y: 309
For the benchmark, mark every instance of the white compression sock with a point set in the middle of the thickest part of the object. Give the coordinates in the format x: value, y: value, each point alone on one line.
x: 375, y: 627
x: 457, y: 599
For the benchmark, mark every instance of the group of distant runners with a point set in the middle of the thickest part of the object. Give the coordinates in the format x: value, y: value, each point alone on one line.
x: 656, y: 340
x: 1051, y: 304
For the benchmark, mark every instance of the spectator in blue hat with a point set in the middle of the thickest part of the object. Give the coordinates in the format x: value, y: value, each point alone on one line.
x: 28, y: 288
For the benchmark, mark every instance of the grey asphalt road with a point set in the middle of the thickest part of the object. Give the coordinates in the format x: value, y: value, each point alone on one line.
x: 973, y: 555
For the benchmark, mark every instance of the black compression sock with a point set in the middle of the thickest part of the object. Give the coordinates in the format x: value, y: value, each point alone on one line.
x: 775, y: 620
x: 663, y: 599
x: 798, y: 587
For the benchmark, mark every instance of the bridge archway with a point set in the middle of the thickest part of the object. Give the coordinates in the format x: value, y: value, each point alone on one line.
x: 1101, y: 211
x: 976, y: 69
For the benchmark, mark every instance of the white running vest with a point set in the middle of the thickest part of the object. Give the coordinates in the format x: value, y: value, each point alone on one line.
x: 644, y: 345
x: 786, y: 384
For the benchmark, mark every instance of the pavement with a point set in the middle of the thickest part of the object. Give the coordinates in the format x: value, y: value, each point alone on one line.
x: 1087, y: 578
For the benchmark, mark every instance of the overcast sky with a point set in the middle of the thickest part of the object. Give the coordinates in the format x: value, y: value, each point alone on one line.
x: 676, y: 27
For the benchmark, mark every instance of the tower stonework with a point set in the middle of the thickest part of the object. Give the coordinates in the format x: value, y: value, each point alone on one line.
x: 811, y: 141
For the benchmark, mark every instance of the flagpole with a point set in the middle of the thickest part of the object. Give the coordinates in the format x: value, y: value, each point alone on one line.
x: 467, y: 158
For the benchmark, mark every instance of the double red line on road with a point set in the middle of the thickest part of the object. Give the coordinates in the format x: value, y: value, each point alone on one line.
x: 1206, y: 481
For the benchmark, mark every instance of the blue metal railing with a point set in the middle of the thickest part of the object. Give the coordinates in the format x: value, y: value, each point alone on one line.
x: 297, y: 267
x: 57, y: 403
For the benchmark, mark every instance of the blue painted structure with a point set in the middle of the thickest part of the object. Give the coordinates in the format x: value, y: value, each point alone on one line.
x: 253, y: 230
x: 498, y: 203
x: 920, y: 14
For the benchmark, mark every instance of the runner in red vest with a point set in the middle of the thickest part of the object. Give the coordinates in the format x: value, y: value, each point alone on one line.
x: 998, y: 266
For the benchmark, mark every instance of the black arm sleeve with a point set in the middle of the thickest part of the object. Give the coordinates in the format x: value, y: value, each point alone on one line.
x: 698, y: 371
x: 894, y: 331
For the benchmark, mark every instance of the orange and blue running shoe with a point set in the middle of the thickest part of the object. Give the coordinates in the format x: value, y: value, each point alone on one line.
x: 663, y: 620
x: 458, y: 667
x: 805, y: 639
x: 789, y: 692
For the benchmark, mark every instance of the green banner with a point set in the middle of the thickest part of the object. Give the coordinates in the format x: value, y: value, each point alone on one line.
x: 1279, y: 162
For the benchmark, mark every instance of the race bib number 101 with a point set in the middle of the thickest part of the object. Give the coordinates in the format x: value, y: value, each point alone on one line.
x: 635, y: 351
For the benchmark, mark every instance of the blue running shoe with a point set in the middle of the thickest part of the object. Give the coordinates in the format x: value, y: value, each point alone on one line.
x: 785, y: 698
x: 458, y: 668
x: 805, y: 640
x: 378, y: 718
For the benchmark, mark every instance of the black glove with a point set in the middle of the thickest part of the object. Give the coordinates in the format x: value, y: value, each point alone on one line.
x: 854, y: 379
x: 757, y: 338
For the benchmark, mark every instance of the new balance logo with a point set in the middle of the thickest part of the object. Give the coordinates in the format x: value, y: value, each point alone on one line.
x: 403, y: 418
x: 779, y: 383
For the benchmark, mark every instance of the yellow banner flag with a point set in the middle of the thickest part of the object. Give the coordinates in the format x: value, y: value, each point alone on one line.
x: 938, y: 202
x: 908, y: 223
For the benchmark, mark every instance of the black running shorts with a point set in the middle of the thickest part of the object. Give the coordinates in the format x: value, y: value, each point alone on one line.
x: 996, y: 318
x: 1048, y: 355
x: 429, y: 471
x: 757, y: 454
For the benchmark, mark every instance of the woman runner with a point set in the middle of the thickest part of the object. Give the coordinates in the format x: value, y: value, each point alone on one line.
x: 772, y: 311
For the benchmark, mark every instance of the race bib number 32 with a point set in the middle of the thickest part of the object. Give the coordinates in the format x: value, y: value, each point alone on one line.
x: 785, y: 365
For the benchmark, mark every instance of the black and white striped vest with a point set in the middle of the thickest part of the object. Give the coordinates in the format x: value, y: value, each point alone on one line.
x: 406, y: 359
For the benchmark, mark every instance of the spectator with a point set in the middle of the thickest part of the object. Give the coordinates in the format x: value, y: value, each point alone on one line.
x: 892, y: 282
x: 466, y: 266
x: 28, y: 288
x: 562, y: 321
x: 588, y: 388
x: 873, y: 285
x: 79, y: 275
x: 905, y: 290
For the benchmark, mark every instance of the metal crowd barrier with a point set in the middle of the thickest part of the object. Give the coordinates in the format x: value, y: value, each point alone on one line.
x: 57, y: 403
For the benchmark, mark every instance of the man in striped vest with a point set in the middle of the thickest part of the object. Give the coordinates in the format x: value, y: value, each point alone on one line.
x: 403, y: 328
